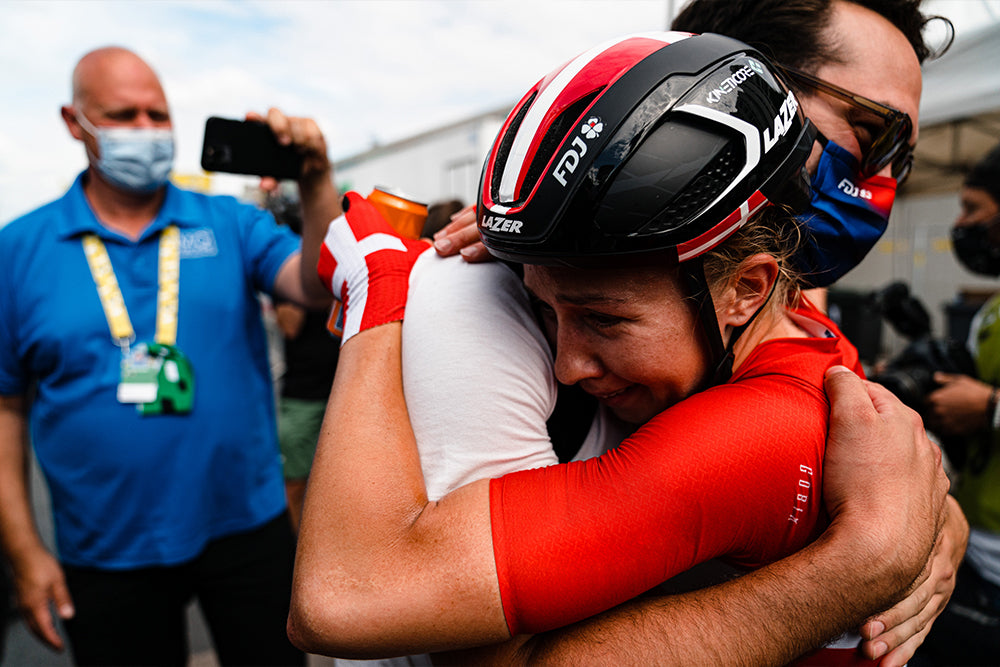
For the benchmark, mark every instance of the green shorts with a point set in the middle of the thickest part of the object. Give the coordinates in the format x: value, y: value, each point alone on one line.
x: 299, y: 422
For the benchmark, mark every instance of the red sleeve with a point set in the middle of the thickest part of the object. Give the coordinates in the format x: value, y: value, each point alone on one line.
x: 734, y: 471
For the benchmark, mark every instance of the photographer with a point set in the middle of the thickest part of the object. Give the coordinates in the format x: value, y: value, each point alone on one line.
x: 968, y: 632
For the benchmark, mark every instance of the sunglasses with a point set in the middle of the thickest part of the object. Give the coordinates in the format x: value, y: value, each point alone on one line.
x: 889, y: 146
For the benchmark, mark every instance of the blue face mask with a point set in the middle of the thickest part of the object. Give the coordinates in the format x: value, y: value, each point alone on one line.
x: 845, y: 217
x: 134, y: 159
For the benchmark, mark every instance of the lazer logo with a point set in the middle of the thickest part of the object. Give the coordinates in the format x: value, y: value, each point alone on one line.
x: 782, y: 122
x: 570, y: 160
x: 497, y: 223
x: 852, y: 190
x: 730, y: 83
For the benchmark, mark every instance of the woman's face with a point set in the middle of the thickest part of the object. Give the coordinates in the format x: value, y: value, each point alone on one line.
x: 627, y: 336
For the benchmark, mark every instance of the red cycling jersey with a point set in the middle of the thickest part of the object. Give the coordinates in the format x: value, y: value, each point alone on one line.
x: 734, y: 471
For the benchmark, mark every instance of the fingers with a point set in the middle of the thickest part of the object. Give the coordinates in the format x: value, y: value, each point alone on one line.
x: 39, y: 621
x: 461, y: 236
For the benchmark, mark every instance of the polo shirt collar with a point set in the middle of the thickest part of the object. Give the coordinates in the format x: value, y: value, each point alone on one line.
x: 178, y: 209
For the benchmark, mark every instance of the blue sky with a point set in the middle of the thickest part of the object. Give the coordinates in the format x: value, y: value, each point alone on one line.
x: 375, y: 70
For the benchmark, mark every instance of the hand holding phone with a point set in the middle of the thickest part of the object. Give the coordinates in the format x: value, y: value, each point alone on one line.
x: 247, y: 147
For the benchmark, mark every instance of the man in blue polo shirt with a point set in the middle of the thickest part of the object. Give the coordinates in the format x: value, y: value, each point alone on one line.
x: 130, y: 315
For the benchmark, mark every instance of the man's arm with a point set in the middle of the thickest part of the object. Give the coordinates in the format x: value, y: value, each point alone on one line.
x: 297, y: 280
x: 886, y: 491
x: 38, y: 577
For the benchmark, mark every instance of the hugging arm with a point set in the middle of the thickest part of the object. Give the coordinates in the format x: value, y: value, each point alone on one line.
x: 887, y: 496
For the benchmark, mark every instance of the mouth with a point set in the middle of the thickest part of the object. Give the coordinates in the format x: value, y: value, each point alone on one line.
x: 610, y: 397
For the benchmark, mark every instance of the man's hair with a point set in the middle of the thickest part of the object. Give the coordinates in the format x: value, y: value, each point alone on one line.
x: 793, y: 32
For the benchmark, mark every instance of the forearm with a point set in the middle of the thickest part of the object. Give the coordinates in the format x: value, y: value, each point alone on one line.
x: 320, y: 204
x: 18, y: 533
x: 379, y: 570
x: 767, y: 617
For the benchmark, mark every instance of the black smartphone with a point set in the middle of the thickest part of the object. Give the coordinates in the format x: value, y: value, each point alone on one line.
x: 247, y: 147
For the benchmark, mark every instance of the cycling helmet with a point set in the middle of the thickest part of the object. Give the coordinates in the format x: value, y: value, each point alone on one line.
x: 661, y: 141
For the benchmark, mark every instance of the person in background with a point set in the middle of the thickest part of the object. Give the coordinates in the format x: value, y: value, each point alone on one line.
x: 310, y: 361
x: 967, y: 408
x: 439, y: 214
x: 131, y: 306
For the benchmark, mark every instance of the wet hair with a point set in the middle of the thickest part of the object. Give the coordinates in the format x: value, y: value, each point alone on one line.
x: 794, y: 32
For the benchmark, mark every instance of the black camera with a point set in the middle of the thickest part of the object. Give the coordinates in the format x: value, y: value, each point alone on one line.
x: 910, y: 375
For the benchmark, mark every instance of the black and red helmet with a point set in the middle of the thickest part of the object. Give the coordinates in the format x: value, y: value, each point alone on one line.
x: 661, y: 141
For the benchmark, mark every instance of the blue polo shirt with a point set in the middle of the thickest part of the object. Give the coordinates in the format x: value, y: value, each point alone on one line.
x: 131, y: 491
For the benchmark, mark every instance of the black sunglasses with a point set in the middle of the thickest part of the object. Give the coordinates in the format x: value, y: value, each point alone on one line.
x: 891, y: 145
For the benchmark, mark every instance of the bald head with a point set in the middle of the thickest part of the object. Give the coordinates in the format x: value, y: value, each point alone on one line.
x: 110, y: 63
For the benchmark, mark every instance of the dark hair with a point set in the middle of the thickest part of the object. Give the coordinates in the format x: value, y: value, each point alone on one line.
x: 794, y: 32
x: 438, y: 215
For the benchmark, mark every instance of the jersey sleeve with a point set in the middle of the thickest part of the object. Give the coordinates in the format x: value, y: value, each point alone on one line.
x: 477, y: 373
x: 734, y: 472
x: 267, y: 245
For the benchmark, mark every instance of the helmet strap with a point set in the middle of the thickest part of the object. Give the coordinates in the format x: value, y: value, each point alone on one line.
x: 721, y: 353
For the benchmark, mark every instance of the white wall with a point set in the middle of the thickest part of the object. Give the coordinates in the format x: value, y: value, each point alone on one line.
x: 443, y: 164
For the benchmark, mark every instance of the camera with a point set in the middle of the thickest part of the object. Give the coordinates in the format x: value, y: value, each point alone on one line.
x: 910, y: 375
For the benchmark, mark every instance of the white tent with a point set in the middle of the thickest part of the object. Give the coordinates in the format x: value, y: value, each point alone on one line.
x: 959, y: 111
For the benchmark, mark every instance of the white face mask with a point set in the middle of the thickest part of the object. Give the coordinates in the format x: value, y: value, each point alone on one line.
x: 133, y: 159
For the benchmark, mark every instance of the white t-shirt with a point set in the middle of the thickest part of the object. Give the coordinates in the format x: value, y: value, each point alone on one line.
x: 479, y: 383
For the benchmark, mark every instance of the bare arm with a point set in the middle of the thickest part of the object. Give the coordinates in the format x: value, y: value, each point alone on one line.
x: 38, y: 577
x: 358, y: 549
x: 297, y: 280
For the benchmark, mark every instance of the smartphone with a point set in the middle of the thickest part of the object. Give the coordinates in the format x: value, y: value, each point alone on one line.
x: 247, y: 147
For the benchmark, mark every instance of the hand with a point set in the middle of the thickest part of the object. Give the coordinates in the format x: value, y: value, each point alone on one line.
x: 39, y: 580
x: 897, y: 633
x: 959, y: 405
x: 882, y: 479
x: 304, y: 134
x: 366, y: 265
x: 461, y: 235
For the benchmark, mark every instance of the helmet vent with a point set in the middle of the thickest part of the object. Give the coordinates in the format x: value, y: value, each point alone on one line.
x: 713, y: 179
x: 503, y: 151
x: 560, y: 129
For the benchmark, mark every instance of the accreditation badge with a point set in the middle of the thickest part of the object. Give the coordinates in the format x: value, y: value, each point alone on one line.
x: 158, y: 379
x: 139, y: 372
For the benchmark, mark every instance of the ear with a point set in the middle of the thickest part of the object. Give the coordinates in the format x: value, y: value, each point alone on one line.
x: 69, y: 117
x: 748, y: 290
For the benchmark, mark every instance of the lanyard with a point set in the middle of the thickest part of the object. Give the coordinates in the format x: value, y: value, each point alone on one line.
x: 111, y: 295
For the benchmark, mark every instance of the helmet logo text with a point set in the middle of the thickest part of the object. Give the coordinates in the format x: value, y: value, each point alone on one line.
x: 729, y: 84
x: 498, y: 223
x: 782, y: 122
x: 570, y: 160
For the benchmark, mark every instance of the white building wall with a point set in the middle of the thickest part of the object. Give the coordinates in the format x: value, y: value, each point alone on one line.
x: 442, y: 164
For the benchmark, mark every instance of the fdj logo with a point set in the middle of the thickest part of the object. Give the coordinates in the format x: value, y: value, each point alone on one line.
x: 570, y: 160
x: 852, y: 190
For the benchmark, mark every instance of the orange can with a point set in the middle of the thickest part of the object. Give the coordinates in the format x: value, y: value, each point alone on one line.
x: 404, y: 214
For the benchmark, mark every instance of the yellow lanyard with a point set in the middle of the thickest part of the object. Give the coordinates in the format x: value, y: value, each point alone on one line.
x: 111, y: 295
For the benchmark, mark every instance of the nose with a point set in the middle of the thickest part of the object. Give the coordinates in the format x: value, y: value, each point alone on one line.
x: 575, y: 358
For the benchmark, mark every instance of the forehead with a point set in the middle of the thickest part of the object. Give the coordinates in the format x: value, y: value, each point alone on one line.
x: 874, y: 58
x: 122, y: 81
x: 623, y: 285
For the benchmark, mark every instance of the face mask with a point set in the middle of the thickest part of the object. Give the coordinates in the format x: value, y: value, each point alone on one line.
x: 845, y: 217
x: 974, y: 249
x: 133, y: 159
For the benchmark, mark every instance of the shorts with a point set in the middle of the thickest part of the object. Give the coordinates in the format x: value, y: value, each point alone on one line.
x: 299, y: 422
